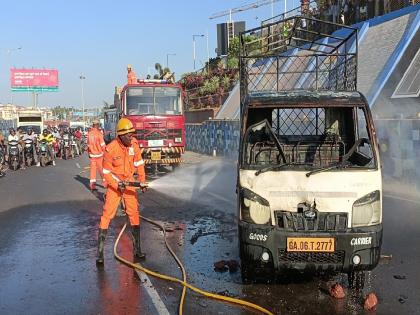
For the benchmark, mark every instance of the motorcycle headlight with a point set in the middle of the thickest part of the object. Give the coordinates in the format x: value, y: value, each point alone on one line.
x: 367, y: 210
x: 254, y: 208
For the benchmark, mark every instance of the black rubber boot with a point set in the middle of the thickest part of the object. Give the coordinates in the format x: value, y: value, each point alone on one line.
x: 101, y: 245
x: 138, y: 254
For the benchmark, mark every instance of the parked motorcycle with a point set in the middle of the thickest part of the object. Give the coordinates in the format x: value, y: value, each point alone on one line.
x: 2, y: 158
x: 44, y: 156
x: 2, y: 155
x: 29, y: 152
x: 14, y: 155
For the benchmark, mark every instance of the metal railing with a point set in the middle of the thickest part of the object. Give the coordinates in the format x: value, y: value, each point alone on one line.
x: 296, y: 53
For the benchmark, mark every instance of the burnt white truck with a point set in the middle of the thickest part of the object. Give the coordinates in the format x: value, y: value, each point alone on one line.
x: 309, y: 178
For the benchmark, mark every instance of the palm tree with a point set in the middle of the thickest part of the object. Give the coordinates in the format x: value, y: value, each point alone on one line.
x: 160, y: 71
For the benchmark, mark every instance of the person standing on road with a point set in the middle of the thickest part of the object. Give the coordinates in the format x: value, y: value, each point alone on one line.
x: 78, y: 138
x: 2, y: 139
x: 96, y: 146
x: 122, y: 158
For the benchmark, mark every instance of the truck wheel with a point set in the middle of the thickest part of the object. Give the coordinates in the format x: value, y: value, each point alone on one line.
x: 356, y: 279
x: 15, y: 165
x: 175, y: 166
x: 246, y: 273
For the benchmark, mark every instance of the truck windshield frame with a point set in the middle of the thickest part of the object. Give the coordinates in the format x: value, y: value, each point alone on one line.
x: 153, y: 100
x: 307, y: 138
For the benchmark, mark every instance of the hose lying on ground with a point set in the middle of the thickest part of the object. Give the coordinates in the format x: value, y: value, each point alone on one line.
x: 183, y: 282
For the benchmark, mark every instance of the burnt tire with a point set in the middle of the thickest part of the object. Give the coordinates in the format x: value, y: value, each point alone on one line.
x: 15, y: 165
x: 29, y: 162
x: 246, y: 274
x: 43, y: 161
x: 175, y: 166
x: 251, y: 273
x: 356, y: 279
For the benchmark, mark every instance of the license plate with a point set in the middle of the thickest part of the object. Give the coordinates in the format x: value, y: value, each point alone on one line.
x: 155, y: 155
x: 155, y: 143
x: 311, y: 244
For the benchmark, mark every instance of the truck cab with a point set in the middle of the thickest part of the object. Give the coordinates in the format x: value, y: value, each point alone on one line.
x: 156, y: 111
x: 309, y: 178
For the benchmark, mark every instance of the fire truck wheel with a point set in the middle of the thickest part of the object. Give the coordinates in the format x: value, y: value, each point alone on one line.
x: 175, y: 166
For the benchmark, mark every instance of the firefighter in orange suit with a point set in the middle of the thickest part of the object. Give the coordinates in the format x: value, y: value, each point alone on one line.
x: 122, y: 158
x: 131, y: 76
x: 96, y: 147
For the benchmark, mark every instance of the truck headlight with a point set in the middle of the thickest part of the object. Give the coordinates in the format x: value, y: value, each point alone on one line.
x: 178, y: 139
x: 367, y: 210
x: 254, y: 208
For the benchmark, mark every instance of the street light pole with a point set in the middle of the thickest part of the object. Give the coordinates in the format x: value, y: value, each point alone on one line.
x: 208, y: 54
x: 82, y: 78
x: 167, y: 58
x: 8, y: 52
x: 194, y: 36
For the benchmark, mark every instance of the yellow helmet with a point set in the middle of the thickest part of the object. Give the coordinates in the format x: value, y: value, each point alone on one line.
x: 124, y: 126
x: 129, y: 66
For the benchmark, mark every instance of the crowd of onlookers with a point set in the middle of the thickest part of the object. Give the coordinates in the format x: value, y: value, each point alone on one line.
x: 55, y: 138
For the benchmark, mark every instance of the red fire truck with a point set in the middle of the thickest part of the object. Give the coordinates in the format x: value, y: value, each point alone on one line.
x: 155, y: 109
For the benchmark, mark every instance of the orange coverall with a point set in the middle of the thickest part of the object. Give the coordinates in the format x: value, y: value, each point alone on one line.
x: 131, y: 77
x: 96, y: 146
x: 120, y: 163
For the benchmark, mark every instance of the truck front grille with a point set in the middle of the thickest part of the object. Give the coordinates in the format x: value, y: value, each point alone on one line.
x: 315, y: 258
x: 158, y: 134
x: 324, y: 221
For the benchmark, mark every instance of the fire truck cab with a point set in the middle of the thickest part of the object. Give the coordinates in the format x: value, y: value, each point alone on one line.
x: 155, y: 109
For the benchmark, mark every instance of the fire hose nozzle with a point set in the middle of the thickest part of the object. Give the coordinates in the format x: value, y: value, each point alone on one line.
x: 142, y: 186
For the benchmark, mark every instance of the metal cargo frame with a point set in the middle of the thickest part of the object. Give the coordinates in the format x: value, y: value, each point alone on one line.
x: 298, y: 53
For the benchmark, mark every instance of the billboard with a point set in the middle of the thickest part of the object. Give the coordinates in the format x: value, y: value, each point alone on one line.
x: 34, y: 80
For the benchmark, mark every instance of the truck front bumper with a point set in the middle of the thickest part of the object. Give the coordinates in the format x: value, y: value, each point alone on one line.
x: 255, y: 240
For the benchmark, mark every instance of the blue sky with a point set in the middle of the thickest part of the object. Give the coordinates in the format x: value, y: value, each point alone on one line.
x: 99, y: 39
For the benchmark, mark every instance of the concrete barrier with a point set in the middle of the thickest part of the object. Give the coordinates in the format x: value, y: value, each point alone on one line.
x: 214, y: 137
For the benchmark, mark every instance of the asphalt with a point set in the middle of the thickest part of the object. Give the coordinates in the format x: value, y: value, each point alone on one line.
x: 48, y: 230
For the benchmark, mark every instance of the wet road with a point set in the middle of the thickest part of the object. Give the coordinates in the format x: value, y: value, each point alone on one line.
x: 48, y: 230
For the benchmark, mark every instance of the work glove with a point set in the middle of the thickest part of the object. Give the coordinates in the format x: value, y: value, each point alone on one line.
x: 121, y: 186
x: 144, y: 186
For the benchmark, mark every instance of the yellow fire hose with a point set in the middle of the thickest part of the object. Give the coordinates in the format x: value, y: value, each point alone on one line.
x: 183, y: 282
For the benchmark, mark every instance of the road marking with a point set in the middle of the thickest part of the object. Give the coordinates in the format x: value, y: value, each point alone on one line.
x: 78, y: 165
x: 156, y: 300
x: 217, y: 196
x: 401, y: 198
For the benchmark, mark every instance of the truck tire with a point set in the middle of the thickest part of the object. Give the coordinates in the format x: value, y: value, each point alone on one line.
x: 175, y: 166
x: 246, y: 273
x: 15, y: 165
x: 356, y: 279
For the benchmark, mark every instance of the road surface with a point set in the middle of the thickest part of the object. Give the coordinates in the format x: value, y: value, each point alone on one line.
x: 48, y: 232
